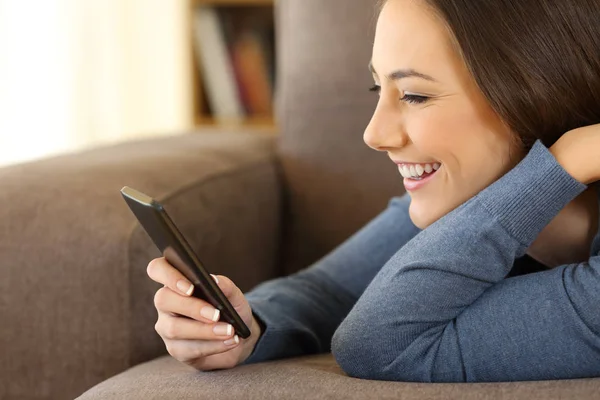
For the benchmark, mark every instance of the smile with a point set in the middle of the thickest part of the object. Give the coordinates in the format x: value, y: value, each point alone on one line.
x: 416, y: 171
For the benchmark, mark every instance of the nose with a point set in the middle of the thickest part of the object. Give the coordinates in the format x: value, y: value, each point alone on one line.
x: 384, y: 131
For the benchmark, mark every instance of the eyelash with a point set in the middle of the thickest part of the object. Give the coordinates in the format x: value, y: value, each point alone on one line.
x: 407, y: 97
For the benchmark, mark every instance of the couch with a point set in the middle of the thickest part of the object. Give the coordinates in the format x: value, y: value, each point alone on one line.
x: 77, y: 306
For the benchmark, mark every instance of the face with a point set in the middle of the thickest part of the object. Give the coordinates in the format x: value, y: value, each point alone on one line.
x: 439, y: 117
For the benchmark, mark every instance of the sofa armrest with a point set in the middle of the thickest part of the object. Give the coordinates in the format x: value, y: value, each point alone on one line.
x: 75, y: 300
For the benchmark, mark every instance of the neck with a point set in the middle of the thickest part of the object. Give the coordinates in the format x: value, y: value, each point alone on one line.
x: 568, y: 237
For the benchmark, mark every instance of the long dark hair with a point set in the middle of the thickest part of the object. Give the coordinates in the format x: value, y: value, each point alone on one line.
x: 536, y: 61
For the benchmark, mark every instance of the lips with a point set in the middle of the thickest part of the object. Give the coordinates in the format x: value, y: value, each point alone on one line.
x: 412, y: 184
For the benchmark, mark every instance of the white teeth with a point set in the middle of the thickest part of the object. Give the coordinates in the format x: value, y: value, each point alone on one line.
x: 413, y: 171
x: 417, y: 170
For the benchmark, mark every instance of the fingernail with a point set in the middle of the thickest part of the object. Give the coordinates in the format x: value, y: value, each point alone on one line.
x: 216, y: 279
x: 210, y: 313
x: 185, y: 287
x: 234, y: 340
x: 223, y: 329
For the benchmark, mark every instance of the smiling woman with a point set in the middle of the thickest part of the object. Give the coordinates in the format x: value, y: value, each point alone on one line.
x: 493, y: 93
x: 443, y: 285
x: 446, y: 97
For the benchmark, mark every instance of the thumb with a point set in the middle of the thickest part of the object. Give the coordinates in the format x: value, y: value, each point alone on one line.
x: 231, y: 291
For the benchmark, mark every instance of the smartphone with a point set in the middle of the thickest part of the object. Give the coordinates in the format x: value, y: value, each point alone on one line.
x: 176, y: 250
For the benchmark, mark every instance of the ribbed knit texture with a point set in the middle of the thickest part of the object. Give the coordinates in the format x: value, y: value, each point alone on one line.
x: 443, y: 304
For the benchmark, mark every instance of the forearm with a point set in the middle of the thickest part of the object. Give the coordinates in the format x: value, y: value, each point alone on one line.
x: 301, y: 311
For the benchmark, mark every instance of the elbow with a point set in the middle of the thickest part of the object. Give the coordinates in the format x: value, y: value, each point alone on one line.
x: 379, y: 354
x: 360, y: 355
x: 354, y: 356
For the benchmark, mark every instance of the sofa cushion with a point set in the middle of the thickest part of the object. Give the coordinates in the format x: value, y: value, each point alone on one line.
x: 334, y: 182
x: 314, y: 377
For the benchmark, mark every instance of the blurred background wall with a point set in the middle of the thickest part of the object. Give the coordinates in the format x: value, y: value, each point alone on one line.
x: 79, y: 73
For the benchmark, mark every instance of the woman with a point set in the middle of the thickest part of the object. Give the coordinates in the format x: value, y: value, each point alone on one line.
x: 488, y: 268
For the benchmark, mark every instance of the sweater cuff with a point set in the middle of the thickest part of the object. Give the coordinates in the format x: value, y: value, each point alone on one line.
x: 529, y: 196
x: 271, y: 340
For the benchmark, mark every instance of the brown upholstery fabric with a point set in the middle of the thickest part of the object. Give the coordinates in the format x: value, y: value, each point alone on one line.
x: 312, y: 377
x: 334, y: 182
x: 75, y: 301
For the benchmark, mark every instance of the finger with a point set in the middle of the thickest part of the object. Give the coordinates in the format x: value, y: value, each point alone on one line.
x: 189, y: 350
x: 177, y: 328
x: 168, y: 301
x: 161, y: 271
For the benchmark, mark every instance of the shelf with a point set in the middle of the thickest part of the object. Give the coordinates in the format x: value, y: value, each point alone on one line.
x: 203, y: 119
x: 262, y: 123
x: 233, y: 2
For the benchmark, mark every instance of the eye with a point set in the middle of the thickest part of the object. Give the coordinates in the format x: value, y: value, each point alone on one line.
x: 409, y: 98
x: 414, y: 99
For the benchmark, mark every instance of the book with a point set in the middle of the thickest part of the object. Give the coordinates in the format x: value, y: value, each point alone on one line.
x: 231, y: 27
x: 251, y: 45
x: 215, y: 65
x: 251, y: 64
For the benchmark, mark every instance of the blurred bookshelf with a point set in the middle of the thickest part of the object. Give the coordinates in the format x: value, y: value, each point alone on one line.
x: 233, y: 72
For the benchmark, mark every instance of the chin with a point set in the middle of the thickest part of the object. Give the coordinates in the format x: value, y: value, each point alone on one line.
x: 420, y: 217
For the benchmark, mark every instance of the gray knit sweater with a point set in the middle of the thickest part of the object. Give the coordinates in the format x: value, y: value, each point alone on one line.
x: 459, y: 301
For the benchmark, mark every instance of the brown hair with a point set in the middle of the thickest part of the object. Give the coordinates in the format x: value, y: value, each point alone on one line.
x: 536, y: 61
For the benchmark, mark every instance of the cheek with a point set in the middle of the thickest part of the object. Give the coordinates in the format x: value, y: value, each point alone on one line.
x: 439, y: 130
x: 467, y: 145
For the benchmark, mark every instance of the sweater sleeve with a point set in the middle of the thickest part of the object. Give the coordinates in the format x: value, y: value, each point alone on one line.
x: 441, y: 310
x: 300, y: 312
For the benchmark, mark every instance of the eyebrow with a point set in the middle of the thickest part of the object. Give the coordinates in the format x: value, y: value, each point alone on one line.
x: 403, y: 73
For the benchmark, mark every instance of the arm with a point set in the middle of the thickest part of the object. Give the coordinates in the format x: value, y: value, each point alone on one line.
x: 440, y: 311
x: 300, y: 312
x: 579, y: 151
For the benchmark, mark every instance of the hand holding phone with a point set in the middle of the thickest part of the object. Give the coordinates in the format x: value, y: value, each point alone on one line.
x: 169, y: 240
x: 186, y: 324
x: 191, y: 313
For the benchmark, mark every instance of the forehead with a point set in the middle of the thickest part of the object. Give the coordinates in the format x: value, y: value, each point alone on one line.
x: 409, y: 35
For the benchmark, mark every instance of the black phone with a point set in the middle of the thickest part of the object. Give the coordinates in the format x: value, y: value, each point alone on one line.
x: 176, y: 250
